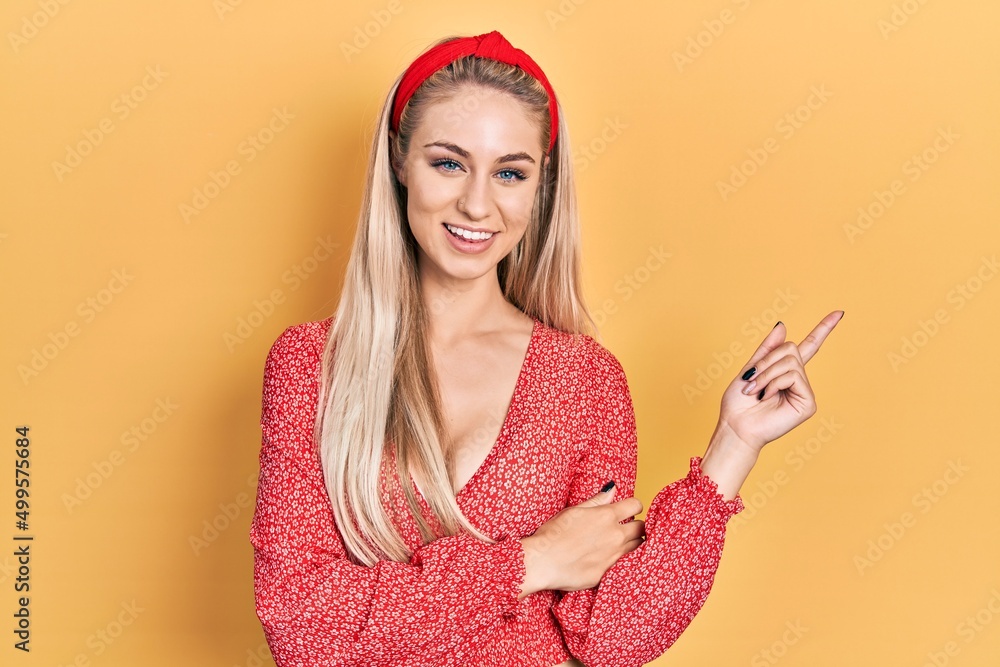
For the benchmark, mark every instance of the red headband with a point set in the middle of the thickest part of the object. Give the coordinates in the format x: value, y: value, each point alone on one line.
x: 490, y: 45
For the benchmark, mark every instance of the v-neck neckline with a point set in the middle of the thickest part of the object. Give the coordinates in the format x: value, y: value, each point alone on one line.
x: 505, y: 426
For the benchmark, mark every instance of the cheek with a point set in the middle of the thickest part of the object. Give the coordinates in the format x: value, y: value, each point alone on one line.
x: 517, y: 204
x: 427, y: 194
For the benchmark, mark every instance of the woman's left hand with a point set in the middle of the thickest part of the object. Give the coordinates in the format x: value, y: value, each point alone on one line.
x: 787, y: 398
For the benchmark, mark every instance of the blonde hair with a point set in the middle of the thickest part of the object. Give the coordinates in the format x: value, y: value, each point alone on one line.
x: 376, y: 383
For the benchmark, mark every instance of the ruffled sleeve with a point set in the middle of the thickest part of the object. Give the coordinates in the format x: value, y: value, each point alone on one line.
x: 319, y: 608
x: 649, y: 596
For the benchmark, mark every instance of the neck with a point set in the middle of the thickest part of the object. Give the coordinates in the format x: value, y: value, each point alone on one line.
x: 457, y: 309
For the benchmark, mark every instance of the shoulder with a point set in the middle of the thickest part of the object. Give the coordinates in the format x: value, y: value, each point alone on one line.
x: 589, y: 361
x: 293, y: 360
x: 300, y: 341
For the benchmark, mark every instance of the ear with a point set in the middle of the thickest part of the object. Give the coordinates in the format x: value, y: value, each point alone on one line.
x: 397, y: 168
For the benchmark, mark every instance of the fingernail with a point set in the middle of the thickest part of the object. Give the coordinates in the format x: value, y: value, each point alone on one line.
x: 776, y: 324
x: 760, y: 395
x: 749, y: 373
x: 749, y: 388
x: 607, y: 487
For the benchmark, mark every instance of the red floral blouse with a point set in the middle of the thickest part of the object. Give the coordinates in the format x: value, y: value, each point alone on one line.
x: 570, y: 428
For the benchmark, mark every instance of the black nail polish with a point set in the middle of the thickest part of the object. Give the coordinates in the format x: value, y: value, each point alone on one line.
x: 749, y: 373
x: 607, y: 487
x: 760, y: 395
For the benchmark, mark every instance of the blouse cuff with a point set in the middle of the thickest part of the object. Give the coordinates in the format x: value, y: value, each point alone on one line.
x: 707, y: 486
x: 510, y: 575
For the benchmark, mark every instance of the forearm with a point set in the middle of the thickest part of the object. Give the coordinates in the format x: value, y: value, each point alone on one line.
x: 652, y: 593
x: 534, y: 567
x: 727, y: 461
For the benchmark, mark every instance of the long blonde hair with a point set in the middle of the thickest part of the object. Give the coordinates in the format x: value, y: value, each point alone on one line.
x: 376, y: 384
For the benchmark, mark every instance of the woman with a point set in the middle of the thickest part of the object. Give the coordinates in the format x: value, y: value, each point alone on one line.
x: 448, y: 462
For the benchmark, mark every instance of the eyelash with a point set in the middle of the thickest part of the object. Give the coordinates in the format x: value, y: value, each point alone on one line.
x: 519, y: 175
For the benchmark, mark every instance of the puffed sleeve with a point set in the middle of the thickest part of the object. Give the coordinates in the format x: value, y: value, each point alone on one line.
x: 649, y: 596
x: 317, y: 607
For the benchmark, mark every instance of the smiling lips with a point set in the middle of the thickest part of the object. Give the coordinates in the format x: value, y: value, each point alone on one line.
x: 468, y: 235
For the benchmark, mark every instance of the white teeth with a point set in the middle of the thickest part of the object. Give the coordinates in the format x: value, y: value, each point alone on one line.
x: 466, y: 234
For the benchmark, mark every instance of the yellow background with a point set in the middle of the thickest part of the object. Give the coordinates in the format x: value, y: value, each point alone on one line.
x: 654, y: 134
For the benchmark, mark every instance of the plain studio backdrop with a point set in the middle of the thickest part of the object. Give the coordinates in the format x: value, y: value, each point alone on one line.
x: 181, y: 182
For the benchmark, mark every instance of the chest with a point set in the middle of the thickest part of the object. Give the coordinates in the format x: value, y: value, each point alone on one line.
x: 478, y: 393
x: 514, y: 423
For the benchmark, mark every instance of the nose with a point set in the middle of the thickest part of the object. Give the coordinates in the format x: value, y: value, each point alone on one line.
x: 476, y: 199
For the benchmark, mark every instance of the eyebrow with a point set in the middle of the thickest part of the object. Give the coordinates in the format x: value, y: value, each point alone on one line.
x: 509, y: 157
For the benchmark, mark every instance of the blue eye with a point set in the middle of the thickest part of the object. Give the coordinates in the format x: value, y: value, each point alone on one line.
x: 512, y: 175
x: 443, y: 162
x: 518, y: 175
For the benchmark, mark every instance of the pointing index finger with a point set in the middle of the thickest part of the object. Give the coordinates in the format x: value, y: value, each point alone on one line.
x: 810, y: 344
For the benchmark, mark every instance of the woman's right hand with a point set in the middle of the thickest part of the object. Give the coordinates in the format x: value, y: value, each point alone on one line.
x: 775, y: 373
x: 572, y: 550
